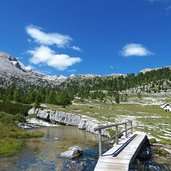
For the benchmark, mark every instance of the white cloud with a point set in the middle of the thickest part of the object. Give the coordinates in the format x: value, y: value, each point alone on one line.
x: 76, y: 48
x: 43, y: 38
x: 133, y: 49
x: 45, y: 55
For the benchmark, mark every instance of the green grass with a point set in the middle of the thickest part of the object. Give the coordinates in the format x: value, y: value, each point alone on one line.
x: 31, y: 116
x: 111, y: 132
x: 161, y: 152
x: 152, y: 140
x: 11, y: 136
x: 151, y: 118
x: 102, y: 110
x: 10, y: 146
x: 165, y: 141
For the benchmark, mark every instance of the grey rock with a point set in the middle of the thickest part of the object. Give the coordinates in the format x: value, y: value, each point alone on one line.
x: 91, y: 124
x: 82, y: 122
x: 44, y: 114
x: 33, y: 111
x: 72, y: 152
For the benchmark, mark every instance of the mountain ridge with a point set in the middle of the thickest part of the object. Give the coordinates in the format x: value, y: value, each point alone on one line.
x: 20, y: 85
x: 12, y: 69
x: 19, y: 65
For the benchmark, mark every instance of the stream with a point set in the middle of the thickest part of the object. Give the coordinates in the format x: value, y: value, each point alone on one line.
x: 42, y: 154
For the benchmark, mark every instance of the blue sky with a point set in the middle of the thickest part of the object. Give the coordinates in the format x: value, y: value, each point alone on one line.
x: 87, y: 37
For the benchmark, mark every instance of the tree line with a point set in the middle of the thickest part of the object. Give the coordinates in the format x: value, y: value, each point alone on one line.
x: 84, y: 88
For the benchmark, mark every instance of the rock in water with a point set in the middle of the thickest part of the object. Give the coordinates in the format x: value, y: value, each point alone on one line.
x: 74, y: 166
x: 72, y: 152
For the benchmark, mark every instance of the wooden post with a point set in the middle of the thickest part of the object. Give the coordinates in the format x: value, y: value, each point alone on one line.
x: 100, y: 143
x: 126, y: 133
x: 116, y: 138
x: 131, y: 127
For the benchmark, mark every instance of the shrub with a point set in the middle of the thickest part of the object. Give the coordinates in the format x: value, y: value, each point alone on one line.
x: 6, y: 118
x: 14, y: 108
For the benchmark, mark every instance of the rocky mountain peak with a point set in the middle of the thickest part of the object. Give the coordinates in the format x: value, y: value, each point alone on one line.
x: 4, y: 55
x: 6, y: 62
x: 11, y: 67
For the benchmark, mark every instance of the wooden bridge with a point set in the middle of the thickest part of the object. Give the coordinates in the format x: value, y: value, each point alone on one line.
x: 123, y: 152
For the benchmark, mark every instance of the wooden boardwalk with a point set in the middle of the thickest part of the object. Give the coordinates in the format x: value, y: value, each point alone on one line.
x: 121, y: 155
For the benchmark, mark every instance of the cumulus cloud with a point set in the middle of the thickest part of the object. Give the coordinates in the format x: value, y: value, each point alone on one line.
x: 45, y: 55
x: 134, y: 49
x: 43, y: 38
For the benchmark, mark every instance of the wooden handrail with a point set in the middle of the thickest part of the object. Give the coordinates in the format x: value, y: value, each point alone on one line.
x: 120, y: 133
x: 109, y: 126
x: 100, y: 128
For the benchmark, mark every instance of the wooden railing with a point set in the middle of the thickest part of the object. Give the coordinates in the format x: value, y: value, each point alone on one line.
x: 117, y: 134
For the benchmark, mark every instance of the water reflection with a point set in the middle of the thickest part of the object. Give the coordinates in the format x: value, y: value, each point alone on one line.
x: 42, y: 154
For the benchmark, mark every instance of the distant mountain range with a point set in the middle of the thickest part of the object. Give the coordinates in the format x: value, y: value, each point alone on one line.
x: 10, y: 68
x: 13, y: 70
x: 19, y: 84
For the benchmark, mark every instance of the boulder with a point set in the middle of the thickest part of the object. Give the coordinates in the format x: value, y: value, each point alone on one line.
x: 82, y: 124
x: 81, y: 121
x: 91, y: 124
x: 33, y: 111
x: 72, y: 152
x: 65, y: 118
x: 44, y: 114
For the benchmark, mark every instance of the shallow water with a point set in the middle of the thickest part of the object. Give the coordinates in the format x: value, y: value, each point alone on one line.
x: 42, y: 154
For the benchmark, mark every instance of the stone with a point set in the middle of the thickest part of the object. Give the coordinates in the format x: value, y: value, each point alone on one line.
x: 82, y: 124
x: 72, y: 152
x: 33, y: 111
x: 44, y: 114
x: 81, y: 121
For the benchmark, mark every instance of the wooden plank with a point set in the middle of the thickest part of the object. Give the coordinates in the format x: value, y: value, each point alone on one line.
x: 111, y: 167
x: 122, y: 161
